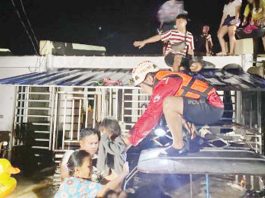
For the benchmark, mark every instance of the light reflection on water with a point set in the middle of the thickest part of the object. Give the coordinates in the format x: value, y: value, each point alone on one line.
x: 170, y: 185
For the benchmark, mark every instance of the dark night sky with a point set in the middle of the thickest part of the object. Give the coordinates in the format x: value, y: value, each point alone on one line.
x: 121, y: 22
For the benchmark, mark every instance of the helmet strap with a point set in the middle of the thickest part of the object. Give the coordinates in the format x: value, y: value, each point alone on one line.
x: 147, y: 84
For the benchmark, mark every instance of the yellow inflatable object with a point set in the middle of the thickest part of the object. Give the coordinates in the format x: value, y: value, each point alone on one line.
x: 7, y: 183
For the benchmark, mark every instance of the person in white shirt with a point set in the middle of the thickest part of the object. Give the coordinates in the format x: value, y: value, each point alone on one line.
x: 228, y: 25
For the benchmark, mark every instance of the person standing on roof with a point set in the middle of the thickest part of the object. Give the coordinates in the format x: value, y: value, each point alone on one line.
x: 179, y: 97
x: 180, y: 44
x: 228, y: 25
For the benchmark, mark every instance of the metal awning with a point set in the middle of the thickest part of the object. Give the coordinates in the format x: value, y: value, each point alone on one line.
x: 69, y: 77
x: 90, y: 77
x: 224, y: 80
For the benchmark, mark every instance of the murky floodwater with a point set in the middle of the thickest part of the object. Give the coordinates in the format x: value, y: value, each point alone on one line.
x: 146, y: 185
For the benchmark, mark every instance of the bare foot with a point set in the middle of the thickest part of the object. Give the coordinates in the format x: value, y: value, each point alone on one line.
x: 221, y: 54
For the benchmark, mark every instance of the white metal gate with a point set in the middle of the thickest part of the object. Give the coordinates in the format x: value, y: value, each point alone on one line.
x: 34, y: 112
x: 76, y: 108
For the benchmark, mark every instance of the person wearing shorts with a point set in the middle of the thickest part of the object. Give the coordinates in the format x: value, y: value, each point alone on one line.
x: 177, y: 95
x: 228, y: 26
x: 178, y: 42
x: 200, y: 112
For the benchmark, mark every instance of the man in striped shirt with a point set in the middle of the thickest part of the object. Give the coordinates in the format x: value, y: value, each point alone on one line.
x: 179, y: 44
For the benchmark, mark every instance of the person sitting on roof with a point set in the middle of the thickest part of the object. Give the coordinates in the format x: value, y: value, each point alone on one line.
x: 179, y: 42
x: 204, y: 42
x: 254, y: 20
x: 179, y: 97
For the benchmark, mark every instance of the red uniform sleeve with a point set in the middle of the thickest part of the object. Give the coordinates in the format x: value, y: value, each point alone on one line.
x: 166, y: 87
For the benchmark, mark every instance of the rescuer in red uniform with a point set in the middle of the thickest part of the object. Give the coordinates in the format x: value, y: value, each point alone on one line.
x: 179, y: 97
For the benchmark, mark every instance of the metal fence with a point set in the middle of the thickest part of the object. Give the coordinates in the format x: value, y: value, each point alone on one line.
x: 55, y: 115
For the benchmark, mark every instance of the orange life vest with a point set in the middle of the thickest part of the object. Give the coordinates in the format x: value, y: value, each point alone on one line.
x: 190, y: 86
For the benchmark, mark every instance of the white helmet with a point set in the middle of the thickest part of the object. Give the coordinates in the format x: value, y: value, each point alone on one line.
x: 141, y: 70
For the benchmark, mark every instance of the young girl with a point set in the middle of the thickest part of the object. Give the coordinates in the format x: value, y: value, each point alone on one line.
x: 112, y: 149
x: 228, y: 26
x: 89, y: 141
x: 79, y: 183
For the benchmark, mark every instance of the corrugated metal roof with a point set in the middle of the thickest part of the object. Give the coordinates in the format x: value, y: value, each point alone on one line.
x: 225, y: 80
x: 91, y: 77
x: 70, y: 77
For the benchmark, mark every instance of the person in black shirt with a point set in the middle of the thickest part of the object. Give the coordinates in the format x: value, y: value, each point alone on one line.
x: 204, y: 43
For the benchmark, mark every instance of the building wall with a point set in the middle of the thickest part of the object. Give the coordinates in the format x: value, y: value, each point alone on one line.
x: 12, y: 66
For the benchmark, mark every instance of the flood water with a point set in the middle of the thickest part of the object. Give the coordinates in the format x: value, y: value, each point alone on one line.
x: 146, y: 185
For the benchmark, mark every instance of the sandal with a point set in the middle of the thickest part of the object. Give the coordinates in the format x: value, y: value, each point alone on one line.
x: 218, y: 143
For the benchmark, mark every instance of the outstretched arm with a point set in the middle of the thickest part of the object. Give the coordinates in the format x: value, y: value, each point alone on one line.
x: 126, y: 139
x: 115, y: 184
x: 142, y: 43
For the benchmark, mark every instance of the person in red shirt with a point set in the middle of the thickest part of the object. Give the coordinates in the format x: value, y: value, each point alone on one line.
x: 179, y: 97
